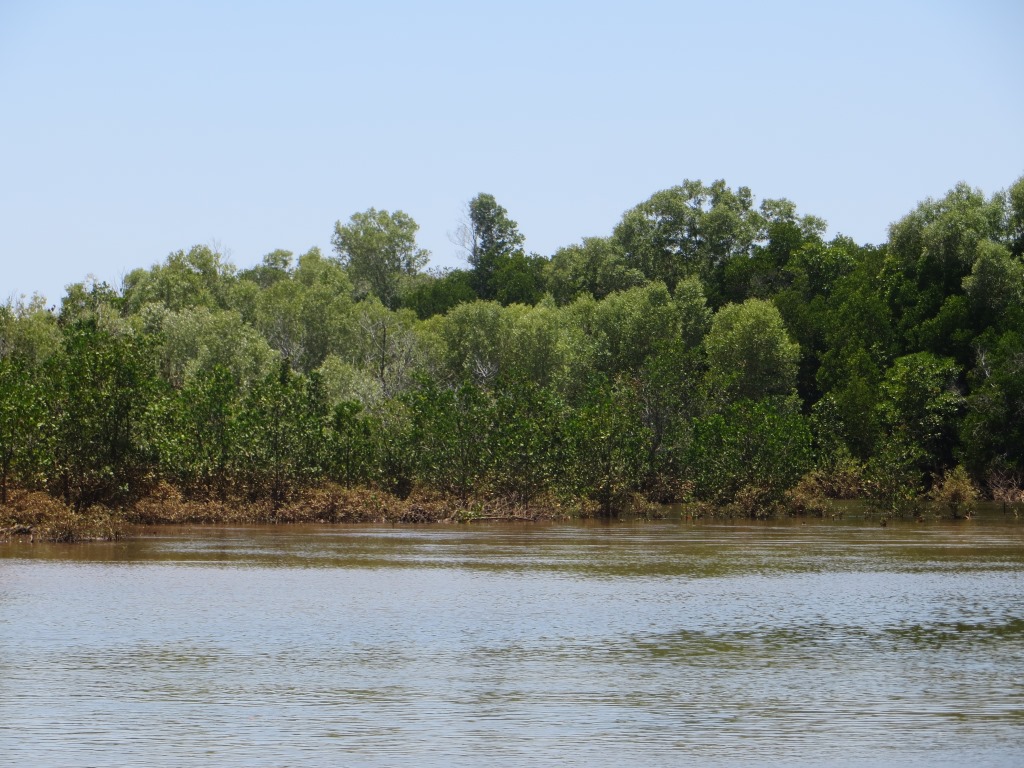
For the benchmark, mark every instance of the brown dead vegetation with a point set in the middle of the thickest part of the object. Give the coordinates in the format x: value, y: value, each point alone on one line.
x: 1006, y: 486
x: 35, y: 516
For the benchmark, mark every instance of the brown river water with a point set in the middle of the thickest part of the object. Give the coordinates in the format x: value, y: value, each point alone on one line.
x: 624, y: 644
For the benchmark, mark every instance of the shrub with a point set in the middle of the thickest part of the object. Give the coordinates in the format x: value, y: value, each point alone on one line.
x: 955, y: 493
x: 893, y: 479
x: 809, y: 496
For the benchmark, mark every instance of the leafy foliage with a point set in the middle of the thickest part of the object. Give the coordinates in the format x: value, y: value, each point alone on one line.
x: 709, y: 348
x: 750, y: 355
x: 378, y: 248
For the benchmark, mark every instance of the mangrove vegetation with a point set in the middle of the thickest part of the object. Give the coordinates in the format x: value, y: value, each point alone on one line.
x: 710, y: 350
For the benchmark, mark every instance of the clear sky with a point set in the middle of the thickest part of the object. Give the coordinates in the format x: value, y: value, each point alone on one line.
x: 129, y: 130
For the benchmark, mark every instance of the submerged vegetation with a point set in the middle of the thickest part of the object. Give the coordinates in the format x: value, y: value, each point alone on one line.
x: 709, y: 350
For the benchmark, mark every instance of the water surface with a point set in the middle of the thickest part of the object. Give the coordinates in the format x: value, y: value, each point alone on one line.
x: 646, y: 644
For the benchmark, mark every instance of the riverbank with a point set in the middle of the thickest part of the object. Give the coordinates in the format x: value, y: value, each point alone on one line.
x: 36, y: 516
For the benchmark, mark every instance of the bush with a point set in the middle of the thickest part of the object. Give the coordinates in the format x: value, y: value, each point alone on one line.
x: 893, y: 480
x: 750, y: 445
x: 841, y: 477
x: 955, y: 493
x: 755, y: 502
x: 809, y: 496
x: 1006, y: 485
x: 41, y: 517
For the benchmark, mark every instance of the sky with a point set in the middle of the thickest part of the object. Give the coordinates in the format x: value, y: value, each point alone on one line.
x: 132, y: 130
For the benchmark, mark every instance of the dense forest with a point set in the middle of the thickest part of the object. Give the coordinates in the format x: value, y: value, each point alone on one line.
x: 710, y: 350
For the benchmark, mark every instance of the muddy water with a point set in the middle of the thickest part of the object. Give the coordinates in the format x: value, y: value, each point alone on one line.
x: 648, y: 644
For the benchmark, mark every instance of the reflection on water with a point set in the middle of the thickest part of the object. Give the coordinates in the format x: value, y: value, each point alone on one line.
x: 598, y: 645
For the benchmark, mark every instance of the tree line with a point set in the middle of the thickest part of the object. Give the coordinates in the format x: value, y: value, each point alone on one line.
x: 709, y: 349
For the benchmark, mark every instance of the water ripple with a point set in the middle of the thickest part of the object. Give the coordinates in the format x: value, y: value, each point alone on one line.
x: 598, y: 646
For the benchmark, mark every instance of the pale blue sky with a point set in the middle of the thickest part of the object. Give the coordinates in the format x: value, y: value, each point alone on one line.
x: 132, y: 129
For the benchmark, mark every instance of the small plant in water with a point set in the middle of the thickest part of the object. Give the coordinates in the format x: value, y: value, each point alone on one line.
x: 808, y: 497
x: 955, y: 493
x: 893, y: 481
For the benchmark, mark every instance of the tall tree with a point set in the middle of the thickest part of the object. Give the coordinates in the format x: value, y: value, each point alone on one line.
x: 490, y: 238
x: 596, y: 266
x: 199, y: 277
x: 691, y: 229
x: 932, y: 249
x: 378, y: 248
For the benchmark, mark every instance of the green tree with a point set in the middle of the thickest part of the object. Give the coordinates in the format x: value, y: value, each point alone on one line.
x: 1014, y: 206
x: 995, y: 285
x: 932, y: 249
x: 385, y: 345
x: 24, y: 428
x: 279, y: 318
x: 766, y: 272
x: 279, y: 433
x: 693, y: 314
x: 327, y: 314
x: 597, y: 267
x: 91, y: 300
x: 519, y: 279
x: 894, y: 476
x: 199, y: 340
x: 813, y: 273
x: 29, y: 338
x: 605, y: 441
x: 393, y: 430
x: 629, y: 326
x: 346, y: 382
x: 103, y: 384
x: 471, y: 341
x: 350, y: 446
x: 920, y: 401
x: 378, y: 248
x: 484, y: 342
x: 750, y: 355
x: 490, y: 239
x: 669, y: 396
x: 199, y: 277
x: 859, y: 343
x: 28, y: 331
x: 451, y: 435
x: 752, y: 450
x: 437, y: 292
x: 992, y: 430
x: 276, y: 266
x: 193, y: 432
x: 536, y: 345
x: 527, y: 440
x: 691, y: 229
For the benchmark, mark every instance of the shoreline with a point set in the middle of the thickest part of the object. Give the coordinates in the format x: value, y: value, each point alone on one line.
x: 37, y: 516
x: 32, y: 516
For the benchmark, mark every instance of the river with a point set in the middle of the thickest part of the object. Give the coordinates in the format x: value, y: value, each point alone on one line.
x: 642, y: 644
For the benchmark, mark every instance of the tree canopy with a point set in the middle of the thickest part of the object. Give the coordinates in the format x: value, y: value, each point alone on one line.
x: 378, y: 248
x: 709, y: 348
